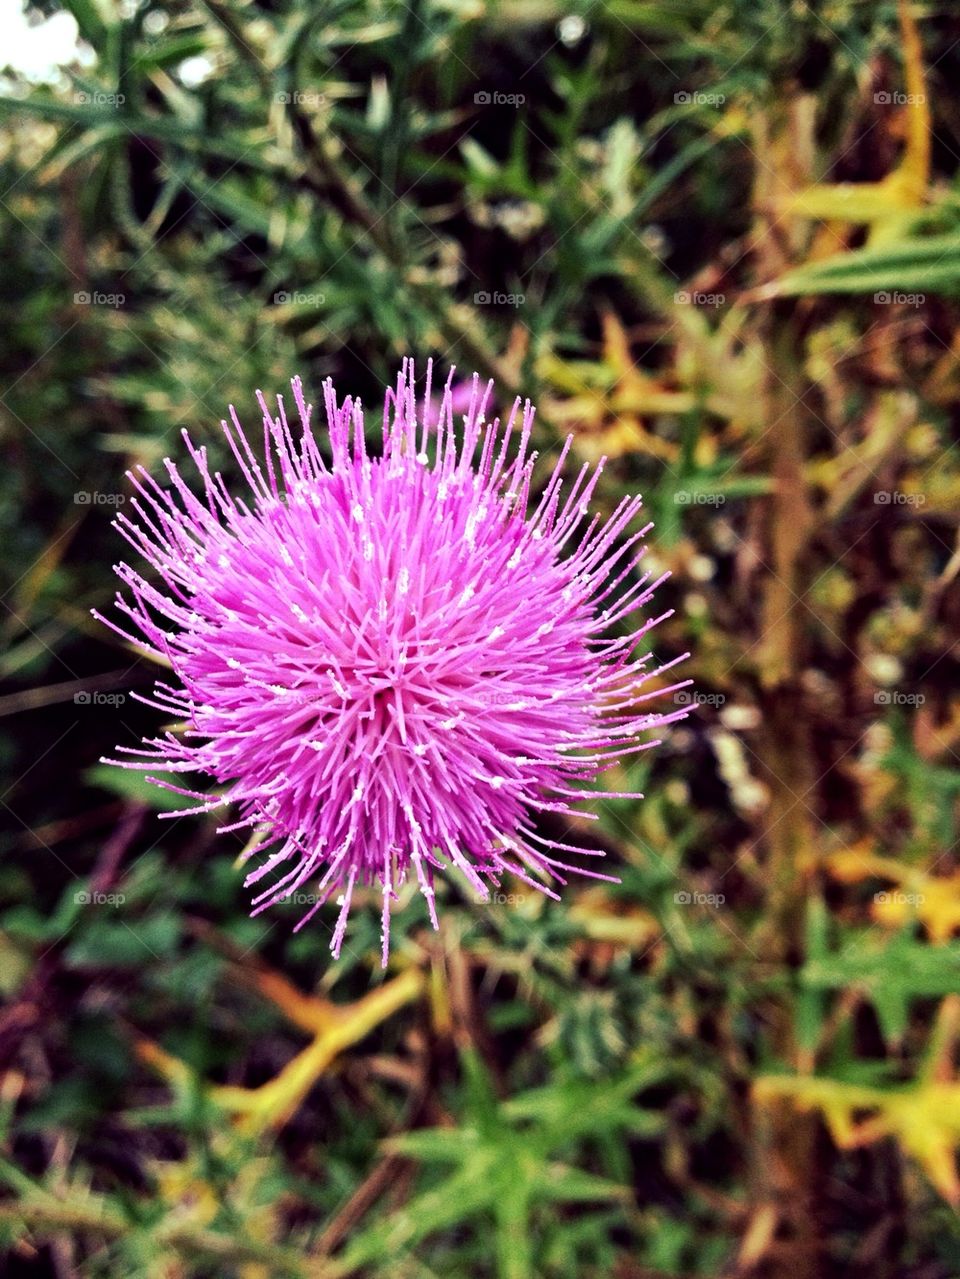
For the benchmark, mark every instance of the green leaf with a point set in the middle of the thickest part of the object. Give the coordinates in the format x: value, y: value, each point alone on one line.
x: 117, y: 943
x: 914, y: 264
x: 90, y: 21
x: 564, y: 1184
x: 132, y: 784
x: 892, y: 974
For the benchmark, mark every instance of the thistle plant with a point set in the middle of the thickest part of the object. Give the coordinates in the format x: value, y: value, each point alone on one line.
x: 391, y: 664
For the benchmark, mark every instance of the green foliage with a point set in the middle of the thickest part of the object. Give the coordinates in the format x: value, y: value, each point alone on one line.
x: 719, y: 244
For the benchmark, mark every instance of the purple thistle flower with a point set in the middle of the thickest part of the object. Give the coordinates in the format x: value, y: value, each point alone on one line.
x: 388, y: 663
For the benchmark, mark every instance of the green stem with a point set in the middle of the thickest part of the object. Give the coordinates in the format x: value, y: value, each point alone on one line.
x: 50, y: 1215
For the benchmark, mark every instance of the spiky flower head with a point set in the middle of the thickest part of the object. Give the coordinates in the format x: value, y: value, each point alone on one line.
x: 391, y: 663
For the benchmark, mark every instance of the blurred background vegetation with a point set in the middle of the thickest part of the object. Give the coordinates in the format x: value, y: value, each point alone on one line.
x: 720, y: 244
